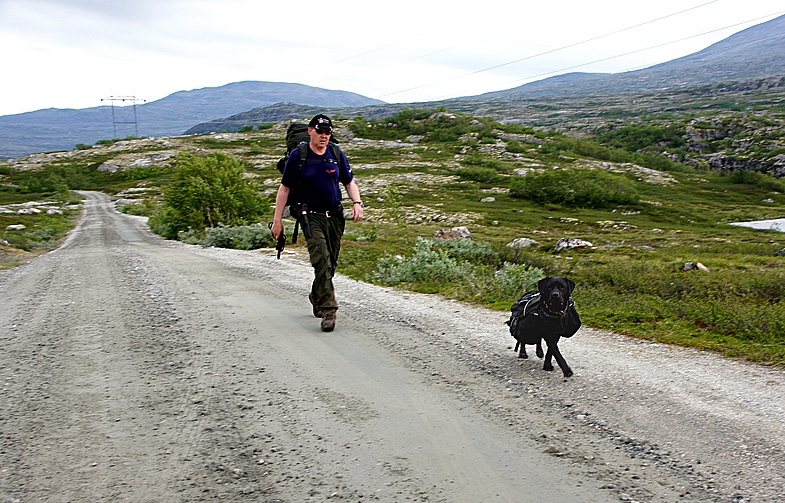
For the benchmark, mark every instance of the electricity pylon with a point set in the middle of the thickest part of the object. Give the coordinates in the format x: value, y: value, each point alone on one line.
x: 123, y: 99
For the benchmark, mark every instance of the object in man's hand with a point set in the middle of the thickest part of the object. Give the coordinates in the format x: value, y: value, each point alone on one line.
x: 281, y: 240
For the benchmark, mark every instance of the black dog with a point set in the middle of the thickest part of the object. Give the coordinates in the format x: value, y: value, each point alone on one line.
x: 548, y: 314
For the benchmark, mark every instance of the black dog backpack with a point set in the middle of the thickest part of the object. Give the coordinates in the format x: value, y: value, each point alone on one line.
x: 523, y: 307
x: 528, y: 323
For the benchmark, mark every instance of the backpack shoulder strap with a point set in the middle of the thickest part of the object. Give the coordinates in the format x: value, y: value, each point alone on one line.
x: 303, y: 147
x: 337, y: 153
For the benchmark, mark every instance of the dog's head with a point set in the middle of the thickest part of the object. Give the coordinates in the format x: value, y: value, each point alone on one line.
x: 555, y: 293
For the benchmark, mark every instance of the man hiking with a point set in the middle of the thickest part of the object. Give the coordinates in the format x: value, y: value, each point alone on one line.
x: 317, y: 195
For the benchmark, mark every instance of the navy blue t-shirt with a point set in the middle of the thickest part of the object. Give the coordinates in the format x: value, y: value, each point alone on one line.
x: 318, y: 179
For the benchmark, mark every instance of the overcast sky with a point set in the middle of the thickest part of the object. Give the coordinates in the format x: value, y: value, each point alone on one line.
x: 73, y: 53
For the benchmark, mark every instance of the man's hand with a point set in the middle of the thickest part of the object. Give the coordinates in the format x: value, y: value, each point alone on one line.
x: 276, y: 228
x: 357, y: 212
x: 279, y: 236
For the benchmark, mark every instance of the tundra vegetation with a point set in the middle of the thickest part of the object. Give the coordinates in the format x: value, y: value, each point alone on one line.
x: 645, y: 212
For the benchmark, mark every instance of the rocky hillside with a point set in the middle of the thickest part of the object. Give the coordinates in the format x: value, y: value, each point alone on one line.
x: 755, y: 53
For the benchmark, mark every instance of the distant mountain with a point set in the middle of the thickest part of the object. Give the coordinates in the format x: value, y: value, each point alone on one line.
x: 60, y: 129
x: 757, y: 52
x: 283, y: 111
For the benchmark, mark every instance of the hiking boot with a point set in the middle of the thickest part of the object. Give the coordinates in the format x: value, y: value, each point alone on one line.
x: 328, y: 322
x: 316, y: 311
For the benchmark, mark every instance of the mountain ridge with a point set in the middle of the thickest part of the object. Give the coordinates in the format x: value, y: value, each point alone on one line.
x: 755, y: 52
x: 60, y: 129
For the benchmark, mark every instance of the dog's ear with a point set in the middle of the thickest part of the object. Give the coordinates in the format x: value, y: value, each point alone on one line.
x: 570, y: 285
x: 541, y: 285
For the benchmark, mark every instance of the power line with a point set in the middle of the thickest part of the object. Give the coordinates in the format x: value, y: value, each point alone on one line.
x: 557, y: 49
x: 584, y: 42
x: 652, y: 47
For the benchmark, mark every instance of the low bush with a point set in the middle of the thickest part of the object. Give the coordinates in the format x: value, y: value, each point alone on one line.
x: 460, y: 267
x: 466, y: 249
x: 575, y: 187
x: 247, y: 237
x: 482, y: 175
x: 746, y: 176
x: 144, y: 208
x: 425, y: 265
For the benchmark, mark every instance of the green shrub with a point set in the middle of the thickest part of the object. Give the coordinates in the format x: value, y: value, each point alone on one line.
x: 562, y: 144
x: 208, y: 191
x: 425, y: 265
x: 466, y: 250
x: 143, y: 209
x: 480, y: 161
x: 575, y: 187
x: 463, y: 268
x: 437, y: 126
x: 517, y: 128
x: 516, y: 147
x: 640, y: 136
x: 482, y: 175
x: 488, y: 136
x: 45, y: 237
x: 247, y: 237
x: 749, y: 177
x: 513, y: 280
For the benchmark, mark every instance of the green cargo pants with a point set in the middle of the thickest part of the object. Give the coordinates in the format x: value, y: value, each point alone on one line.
x: 324, y: 245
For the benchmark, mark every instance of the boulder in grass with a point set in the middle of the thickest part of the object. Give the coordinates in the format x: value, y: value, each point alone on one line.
x: 571, y: 244
x: 453, y: 234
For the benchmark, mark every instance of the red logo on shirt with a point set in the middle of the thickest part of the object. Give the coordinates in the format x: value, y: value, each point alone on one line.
x: 330, y: 171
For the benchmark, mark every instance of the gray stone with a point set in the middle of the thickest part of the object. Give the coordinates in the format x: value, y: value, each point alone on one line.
x: 689, y: 266
x: 453, y: 234
x: 108, y: 167
x: 571, y: 244
x: 522, y: 243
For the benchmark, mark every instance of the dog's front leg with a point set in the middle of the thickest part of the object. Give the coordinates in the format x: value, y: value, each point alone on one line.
x: 539, y: 348
x: 548, y: 364
x: 553, y: 350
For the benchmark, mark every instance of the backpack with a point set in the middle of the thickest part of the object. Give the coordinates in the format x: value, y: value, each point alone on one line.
x: 528, y: 324
x: 297, y: 137
x: 523, y: 307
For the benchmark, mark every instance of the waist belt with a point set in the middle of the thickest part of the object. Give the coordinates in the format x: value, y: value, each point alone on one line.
x: 325, y: 213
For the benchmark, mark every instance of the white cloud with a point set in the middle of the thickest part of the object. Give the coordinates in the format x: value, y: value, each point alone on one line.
x: 70, y: 54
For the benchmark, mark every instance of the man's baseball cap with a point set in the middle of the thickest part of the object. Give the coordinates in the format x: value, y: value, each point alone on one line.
x: 321, y: 123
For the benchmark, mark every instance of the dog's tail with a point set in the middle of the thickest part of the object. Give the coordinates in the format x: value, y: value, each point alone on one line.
x: 517, y: 346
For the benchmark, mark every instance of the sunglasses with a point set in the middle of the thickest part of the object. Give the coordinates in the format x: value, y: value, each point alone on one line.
x: 324, y: 131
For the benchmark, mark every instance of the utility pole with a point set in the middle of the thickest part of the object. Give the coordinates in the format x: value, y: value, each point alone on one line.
x: 123, y: 99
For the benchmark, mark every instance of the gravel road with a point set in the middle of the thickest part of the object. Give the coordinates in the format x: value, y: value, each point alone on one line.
x: 137, y: 369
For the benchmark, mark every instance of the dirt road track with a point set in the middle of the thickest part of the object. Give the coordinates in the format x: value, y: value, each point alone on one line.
x: 135, y: 369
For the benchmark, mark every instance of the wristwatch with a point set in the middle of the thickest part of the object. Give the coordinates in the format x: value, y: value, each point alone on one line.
x: 357, y: 202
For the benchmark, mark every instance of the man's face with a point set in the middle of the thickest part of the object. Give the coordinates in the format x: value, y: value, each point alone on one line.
x: 318, y: 138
